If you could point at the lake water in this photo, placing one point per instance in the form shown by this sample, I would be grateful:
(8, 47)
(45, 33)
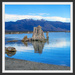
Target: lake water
(55, 51)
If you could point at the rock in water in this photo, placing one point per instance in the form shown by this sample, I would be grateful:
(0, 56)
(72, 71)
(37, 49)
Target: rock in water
(38, 33)
(25, 39)
(10, 49)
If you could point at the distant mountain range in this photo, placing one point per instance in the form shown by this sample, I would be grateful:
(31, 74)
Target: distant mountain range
(29, 24)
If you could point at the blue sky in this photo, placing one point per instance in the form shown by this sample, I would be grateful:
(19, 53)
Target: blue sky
(47, 12)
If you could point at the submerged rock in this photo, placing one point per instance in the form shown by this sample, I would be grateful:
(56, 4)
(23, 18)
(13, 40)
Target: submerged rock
(10, 49)
(13, 41)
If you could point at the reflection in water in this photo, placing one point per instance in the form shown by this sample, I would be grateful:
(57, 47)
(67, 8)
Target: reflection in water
(61, 43)
(56, 52)
(25, 43)
(10, 54)
(38, 46)
(47, 40)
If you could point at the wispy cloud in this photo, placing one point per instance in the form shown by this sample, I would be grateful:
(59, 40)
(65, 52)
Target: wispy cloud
(12, 17)
(43, 14)
(39, 14)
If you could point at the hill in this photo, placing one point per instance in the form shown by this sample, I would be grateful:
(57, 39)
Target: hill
(28, 24)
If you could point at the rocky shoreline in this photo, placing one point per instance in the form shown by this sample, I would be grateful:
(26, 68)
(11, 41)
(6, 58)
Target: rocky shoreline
(17, 64)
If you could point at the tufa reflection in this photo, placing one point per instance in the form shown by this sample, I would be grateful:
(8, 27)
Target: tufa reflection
(38, 46)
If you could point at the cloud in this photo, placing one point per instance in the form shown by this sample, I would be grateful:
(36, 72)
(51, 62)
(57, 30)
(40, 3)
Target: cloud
(39, 14)
(12, 17)
(43, 14)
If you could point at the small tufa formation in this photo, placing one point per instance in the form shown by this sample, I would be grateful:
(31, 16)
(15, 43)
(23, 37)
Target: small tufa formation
(25, 39)
(10, 49)
(47, 36)
(38, 33)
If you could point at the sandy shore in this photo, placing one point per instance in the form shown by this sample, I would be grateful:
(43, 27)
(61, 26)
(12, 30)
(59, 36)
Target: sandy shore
(16, 64)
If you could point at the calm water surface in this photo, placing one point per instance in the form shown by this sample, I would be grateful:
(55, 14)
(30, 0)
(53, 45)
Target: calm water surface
(55, 51)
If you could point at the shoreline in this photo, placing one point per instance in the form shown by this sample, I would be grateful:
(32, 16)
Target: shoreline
(17, 64)
(21, 32)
